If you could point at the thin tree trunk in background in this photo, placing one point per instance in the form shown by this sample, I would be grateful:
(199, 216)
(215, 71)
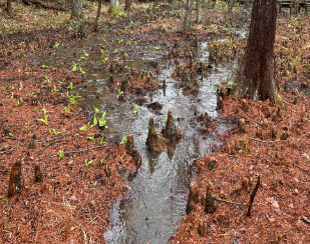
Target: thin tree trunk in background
(98, 16)
(114, 7)
(8, 6)
(230, 5)
(255, 76)
(214, 2)
(127, 5)
(188, 15)
(77, 9)
(198, 11)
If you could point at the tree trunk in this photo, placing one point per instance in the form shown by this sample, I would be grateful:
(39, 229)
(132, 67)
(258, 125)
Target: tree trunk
(198, 11)
(97, 17)
(114, 7)
(77, 9)
(230, 5)
(127, 5)
(8, 6)
(255, 76)
(188, 15)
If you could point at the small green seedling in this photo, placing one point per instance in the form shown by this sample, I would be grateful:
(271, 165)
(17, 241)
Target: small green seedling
(81, 70)
(21, 99)
(17, 102)
(136, 109)
(101, 163)
(10, 133)
(44, 120)
(95, 121)
(85, 53)
(158, 47)
(57, 133)
(91, 137)
(20, 86)
(44, 111)
(68, 109)
(102, 122)
(71, 86)
(6, 87)
(12, 95)
(124, 141)
(128, 43)
(101, 141)
(49, 81)
(96, 110)
(55, 89)
(85, 127)
(26, 128)
(166, 119)
(61, 154)
(87, 163)
(61, 82)
(74, 68)
(56, 45)
(115, 51)
(105, 60)
(120, 92)
(82, 58)
(120, 41)
(44, 66)
(72, 100)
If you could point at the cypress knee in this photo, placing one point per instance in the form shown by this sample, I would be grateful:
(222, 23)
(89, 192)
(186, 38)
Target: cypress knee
(15, 181)
(193, 197)
(171, 131)
(38, 174)
(210, 204)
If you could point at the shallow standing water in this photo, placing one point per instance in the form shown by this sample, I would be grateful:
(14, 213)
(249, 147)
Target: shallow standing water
(157, 198)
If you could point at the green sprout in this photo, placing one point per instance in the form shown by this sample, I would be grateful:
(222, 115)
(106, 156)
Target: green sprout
(44, 120)
(85, 127)
(125, 54)
(55, 89)
(115, 51)
(120, 41)
(85, 53)
(56, 45)
(136, 43)
(82, 58)
(21, 99)
(49, 81)
(95, 121)
(105, 60)
(20, 86)
(44, 66)
(101, 141)
(10, 133)
(26, 128)
(91, 137)
(117, 59)
(68, 109)
(136, 109)
(56, 133)
(61, 82)
(166, 119)
(17, 102)
(158, 47)
(72, 100)
(12, 95)
(124, 141)
(61, 154)
(44, 111)
(71, 86)
(96, 110)
(81, 70)
(102, 121)
(87, 163)
(6, 87)
(128, 43)
(101, 163)
(74, 68)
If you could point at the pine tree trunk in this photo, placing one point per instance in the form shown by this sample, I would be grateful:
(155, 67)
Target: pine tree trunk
(8, 6)
(127, 5)
(188, 15)
(198, 11)
(98, 16)
(114, 7)
(77, 9)
(255, 76)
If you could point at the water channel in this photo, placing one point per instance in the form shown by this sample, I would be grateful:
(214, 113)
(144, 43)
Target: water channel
(157, 198)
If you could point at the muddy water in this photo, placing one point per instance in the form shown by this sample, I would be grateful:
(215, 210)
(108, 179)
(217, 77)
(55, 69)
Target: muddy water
(157, 198)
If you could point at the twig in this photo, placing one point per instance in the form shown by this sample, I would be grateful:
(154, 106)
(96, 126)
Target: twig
(267, 217)
(252, 196)
(306, 220)
(268, 141)
(85, 236)
(87, 149)
(233, 241)
(220, 200)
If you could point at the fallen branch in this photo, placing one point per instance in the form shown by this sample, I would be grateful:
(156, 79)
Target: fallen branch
(44, 5)
(306, 220)
(267, 217)
(267, 141)
(87, 149)
(220, 200)
(253, 196)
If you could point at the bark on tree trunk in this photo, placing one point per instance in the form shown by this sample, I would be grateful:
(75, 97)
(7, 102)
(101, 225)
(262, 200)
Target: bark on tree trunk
(114, 7)
(198, 11)
(77, 9)
(127, 5)
(8, 6)
(188, 15)
(97, 17)
(255, 76)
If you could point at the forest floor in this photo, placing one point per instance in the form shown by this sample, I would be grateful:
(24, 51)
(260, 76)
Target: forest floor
(83, 177)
